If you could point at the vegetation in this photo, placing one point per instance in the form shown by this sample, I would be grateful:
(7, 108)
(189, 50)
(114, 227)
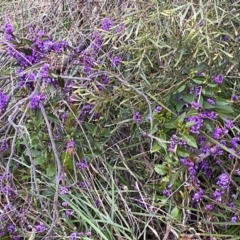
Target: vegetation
(119, 120)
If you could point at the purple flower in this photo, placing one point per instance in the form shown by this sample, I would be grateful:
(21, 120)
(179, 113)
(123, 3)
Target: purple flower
(107, 24)
(208, 114)
(229, 124)
(3, 145)
(198, 123)
(73, 236)
(225, 37)
(64, 204)
(158, 109)
(82, 164)
(217, 195)
(195, 105)
(219, 132)
(223, 181)
(199, 74)
(173, 141)
(116, 61)
(198, 90)
(64, 190)
(198, 195)
(166, 192)
(70, 144)
(36, 100)
(11, 229)
(44, 70)
(3, 100)
(69, 213)
(8, 31)
(209, 207)
(234, 219)
(88, 234)
(137, 117)
(40, 227)
(234, 97)
(200, 23)
(210, 101)
(219, 79)
(84, 185)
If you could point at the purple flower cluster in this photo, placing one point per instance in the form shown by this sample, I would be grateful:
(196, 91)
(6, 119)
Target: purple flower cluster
(82, 164)
(158, 109)
(137, 117)
(107, 24)
(75, 235)
(195, 105)
(8, 211)
(3, 100)
(8, 31)
(36, 100)
(3, 145)
(219, 79)
(40, 227)
(223, 181)
(70, 144)
(198, 195)
(36, 50)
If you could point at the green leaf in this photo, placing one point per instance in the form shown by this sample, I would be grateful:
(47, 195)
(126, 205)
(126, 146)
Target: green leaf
(212, 85)
(169, 125)
(35, 153)
(52, 118)
(156, 147)
(51, 169)
(67, 160)
(39, 160)
(188, 98)
(189, 124)
(225, 109)
(180, 119)
(190, 140)
(61, 82)
(198, 80)
(175, 213)
(209, 124)
(207, 105)
(179, 106)
(183, 152)
(53, 75)
(161, 169)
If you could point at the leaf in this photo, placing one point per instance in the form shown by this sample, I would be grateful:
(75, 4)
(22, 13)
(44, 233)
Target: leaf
(207, 105)
(209, 124)
(179, 106)
(183, 152)
(169, 125)
(175, 213)
(39, 160)
(155, 148)
(225, 109)
(190, 140)
(180, 119)
(198, 80)
(51, 169)
(52, 118)
(188, 98)
(189, 124)
(161, 169)
(35, 153)
(61, 82)
(67, 159)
